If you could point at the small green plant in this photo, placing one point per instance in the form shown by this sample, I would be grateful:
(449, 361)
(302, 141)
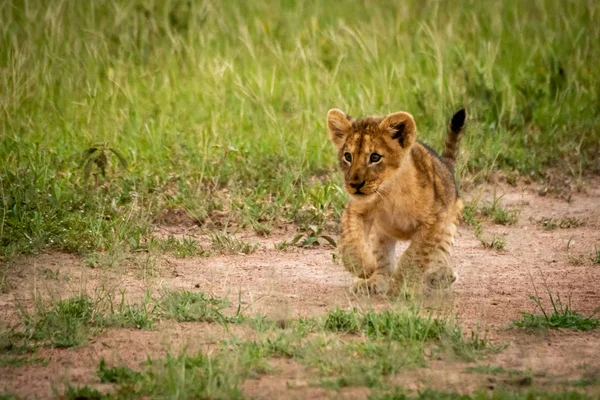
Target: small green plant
(84, 392)
(122, 374)
(497, 213)
(310, 236)
(492, 242)
(50, 274)
(180, 248)
(182, 305)
(140, 316)
(549, 224)
(595, 258)
(98, 156)
(561, 317)
(225, 243)
(471, 348)
(471, 214)
(340, 320)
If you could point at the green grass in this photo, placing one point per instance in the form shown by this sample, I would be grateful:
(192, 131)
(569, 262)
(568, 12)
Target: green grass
(65, 323)
(560, 317)
(590, 377)
(70, 322)
(389, 324)
(380, 345)
(8, 396)
(113, 112)
(8, 360)
(116, 374)
(409, 326)
(184, 376)
(430, 394)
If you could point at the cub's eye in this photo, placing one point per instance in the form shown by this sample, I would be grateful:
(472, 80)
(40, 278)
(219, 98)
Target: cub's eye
(374, 158)
(348, 157)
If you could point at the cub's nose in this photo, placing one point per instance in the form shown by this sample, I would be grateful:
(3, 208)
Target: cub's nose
(357, 186)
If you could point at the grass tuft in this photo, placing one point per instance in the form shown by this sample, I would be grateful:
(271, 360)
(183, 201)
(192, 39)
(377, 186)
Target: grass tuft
(65, 324)
(225, 243)
(121, 375)
(183, 376)
(180, 248)
(497, 214)
(595, 258)
(84, 392)
(561, 317)
(549, 224)
(407, 326)
(181, 305)
(12, 361)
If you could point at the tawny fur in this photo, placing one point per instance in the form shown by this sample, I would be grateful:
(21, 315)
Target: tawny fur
(399, 190)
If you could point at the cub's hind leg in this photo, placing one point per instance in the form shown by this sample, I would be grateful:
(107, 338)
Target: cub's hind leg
(383, 251)
(425, 253)
(440, 274)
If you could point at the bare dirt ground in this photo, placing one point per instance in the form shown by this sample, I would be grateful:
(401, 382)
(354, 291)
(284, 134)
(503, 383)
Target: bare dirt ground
(493, 288)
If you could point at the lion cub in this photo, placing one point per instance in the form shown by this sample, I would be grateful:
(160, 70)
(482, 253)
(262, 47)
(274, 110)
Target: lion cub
(399, 189)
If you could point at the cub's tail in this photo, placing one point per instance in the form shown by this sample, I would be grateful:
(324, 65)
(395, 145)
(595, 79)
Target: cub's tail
(455, 127)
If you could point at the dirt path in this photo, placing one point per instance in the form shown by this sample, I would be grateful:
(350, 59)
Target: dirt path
(493, 288)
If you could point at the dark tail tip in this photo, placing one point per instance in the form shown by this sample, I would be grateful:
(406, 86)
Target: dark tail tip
(458, 120)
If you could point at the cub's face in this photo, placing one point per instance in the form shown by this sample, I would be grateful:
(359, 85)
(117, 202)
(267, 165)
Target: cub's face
(370, 149)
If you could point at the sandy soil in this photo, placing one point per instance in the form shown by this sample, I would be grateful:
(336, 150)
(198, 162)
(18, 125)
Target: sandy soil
(493, 287)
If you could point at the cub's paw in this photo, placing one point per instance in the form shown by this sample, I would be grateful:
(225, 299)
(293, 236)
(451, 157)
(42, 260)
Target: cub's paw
(376, 284)
(441, 278)
(401, 290)
(360, 270)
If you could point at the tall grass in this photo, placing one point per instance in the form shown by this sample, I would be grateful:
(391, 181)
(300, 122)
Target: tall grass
(204, 96)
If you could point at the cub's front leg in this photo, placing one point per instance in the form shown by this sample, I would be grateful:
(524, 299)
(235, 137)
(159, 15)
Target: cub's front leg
(383, 251)
(354, 250)
(373, 268)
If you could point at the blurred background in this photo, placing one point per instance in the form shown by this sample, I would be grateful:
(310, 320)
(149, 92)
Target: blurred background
(113, 112)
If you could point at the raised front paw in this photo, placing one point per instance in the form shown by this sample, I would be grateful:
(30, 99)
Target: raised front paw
(376, 284)
(441, 278)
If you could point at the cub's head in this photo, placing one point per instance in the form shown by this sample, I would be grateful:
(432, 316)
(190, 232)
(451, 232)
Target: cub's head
(370, 149)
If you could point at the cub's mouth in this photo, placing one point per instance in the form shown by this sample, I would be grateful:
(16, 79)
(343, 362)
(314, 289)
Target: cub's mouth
(360, 192)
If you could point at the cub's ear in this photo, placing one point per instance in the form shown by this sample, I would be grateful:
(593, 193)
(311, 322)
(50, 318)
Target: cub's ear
(401, 127)
(338, 124)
